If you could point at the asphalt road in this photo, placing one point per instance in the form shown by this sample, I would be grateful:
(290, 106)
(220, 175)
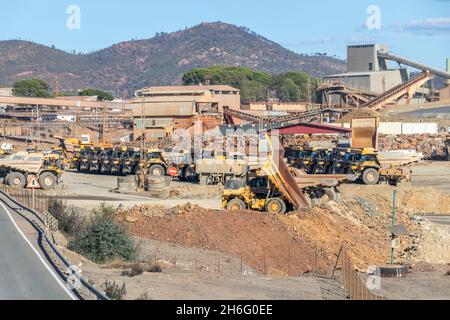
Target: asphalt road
(443, 220)
(23, 276)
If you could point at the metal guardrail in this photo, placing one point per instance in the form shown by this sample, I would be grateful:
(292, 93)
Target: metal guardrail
(91, 289)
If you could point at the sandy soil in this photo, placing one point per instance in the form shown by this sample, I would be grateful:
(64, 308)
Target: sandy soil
(88, 191)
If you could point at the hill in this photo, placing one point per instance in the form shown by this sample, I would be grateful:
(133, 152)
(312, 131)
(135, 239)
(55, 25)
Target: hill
(160, 60)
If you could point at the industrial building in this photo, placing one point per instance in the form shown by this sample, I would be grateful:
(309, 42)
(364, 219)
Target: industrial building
(165, 109)
(367, 72)
(368, 75)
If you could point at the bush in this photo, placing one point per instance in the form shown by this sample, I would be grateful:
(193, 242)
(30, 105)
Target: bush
(71, 220)
(144, 296)
(156, 268)
(106, 211)
(114, 292)
(104, 240)
(136, 270)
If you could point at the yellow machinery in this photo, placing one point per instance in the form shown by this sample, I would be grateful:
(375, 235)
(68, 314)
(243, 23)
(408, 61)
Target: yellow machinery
(277, 188)
(16, 169)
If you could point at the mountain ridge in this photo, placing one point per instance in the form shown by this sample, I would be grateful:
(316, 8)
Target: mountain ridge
(161, 60)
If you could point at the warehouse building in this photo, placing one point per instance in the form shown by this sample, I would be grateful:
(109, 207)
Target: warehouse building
(162, 110)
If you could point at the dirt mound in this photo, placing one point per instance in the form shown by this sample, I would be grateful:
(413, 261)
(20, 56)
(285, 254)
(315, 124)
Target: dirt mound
(251, 235)
(307, 240)
(414, 200)
(275, 244)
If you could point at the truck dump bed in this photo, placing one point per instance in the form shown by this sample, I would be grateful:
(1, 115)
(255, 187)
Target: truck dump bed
(230, 167)
(278, 173)
(24, 162)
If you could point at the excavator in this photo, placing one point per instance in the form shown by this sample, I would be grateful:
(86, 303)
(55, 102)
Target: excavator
(277, 188)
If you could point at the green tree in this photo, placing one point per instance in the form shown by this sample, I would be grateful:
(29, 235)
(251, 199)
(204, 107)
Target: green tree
(35, 88)
(253, 84)
(101, 94)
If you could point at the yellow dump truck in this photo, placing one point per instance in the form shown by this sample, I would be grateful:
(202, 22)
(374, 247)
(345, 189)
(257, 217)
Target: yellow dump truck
(277, 188)
(16, 169)
(219, 170)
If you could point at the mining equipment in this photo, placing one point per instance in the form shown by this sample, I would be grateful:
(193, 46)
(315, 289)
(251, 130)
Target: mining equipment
(447, 148)
(16, 169)
(277, 188)
(361, 163)
(118, 161)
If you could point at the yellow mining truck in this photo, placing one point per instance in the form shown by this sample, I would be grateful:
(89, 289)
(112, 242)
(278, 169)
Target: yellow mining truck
(218, 170)
(16, 169)
(276, 188)
(447, 148)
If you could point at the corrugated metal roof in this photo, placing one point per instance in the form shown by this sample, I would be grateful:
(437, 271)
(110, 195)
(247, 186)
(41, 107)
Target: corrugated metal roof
(188, 88)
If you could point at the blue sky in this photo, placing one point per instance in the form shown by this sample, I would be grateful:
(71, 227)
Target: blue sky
(418, 29)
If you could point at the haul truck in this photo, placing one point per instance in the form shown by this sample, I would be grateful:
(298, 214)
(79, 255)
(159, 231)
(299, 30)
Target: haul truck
(16, 169)
(276, 188)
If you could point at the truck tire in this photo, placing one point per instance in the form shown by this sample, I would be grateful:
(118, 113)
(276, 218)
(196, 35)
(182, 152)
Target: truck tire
(330, 194)
(16, 180)
(276, 205)
(156, 170)
(47, 180)
(371, 176)
(236, 204)
(203, 180)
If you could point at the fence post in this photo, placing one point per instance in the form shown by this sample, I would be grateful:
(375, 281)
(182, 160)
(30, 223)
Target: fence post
(265, 266)
(242, 267)
(289, 261)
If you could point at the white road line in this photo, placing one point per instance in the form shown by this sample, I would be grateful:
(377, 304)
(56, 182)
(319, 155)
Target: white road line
(49, 269)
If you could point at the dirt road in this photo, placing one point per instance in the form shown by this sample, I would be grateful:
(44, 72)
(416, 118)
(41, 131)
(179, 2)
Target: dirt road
(432, 174)
(88, 190)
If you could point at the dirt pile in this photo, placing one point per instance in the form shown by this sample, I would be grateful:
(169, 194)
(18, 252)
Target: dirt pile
(306, 240)
(262, 240)
(303, 241)
(412, 200)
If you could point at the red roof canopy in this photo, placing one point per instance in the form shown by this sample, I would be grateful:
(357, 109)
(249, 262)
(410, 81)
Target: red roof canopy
(310, 128)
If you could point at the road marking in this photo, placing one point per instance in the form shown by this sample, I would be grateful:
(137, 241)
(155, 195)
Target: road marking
(69, 293)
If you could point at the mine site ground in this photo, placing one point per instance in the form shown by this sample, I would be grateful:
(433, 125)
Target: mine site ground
(252, 255)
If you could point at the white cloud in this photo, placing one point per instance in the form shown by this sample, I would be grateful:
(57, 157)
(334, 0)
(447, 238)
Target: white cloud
(430, 26)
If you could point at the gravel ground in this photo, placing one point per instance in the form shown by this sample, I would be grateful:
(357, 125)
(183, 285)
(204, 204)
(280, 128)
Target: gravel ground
(87, 190)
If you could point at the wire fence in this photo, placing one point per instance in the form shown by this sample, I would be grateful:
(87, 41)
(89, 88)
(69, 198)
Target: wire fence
(288, 260)
(40, 202)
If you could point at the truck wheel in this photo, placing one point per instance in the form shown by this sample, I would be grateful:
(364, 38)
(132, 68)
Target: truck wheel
(276, 205)
(16, 180)
(203, 180)
(371, 176)
(156, 170)
(47, 180)
(330, 195)
(236, 204)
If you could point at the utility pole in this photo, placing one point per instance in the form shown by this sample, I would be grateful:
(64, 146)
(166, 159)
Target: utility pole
(142, 126)
(143, 162)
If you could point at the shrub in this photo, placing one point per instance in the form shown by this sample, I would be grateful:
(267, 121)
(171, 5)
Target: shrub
(104, 211)
(104, 240)
(114, 291)
(155, 268)
(144, 296)
(71, 220)
(136, 270)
